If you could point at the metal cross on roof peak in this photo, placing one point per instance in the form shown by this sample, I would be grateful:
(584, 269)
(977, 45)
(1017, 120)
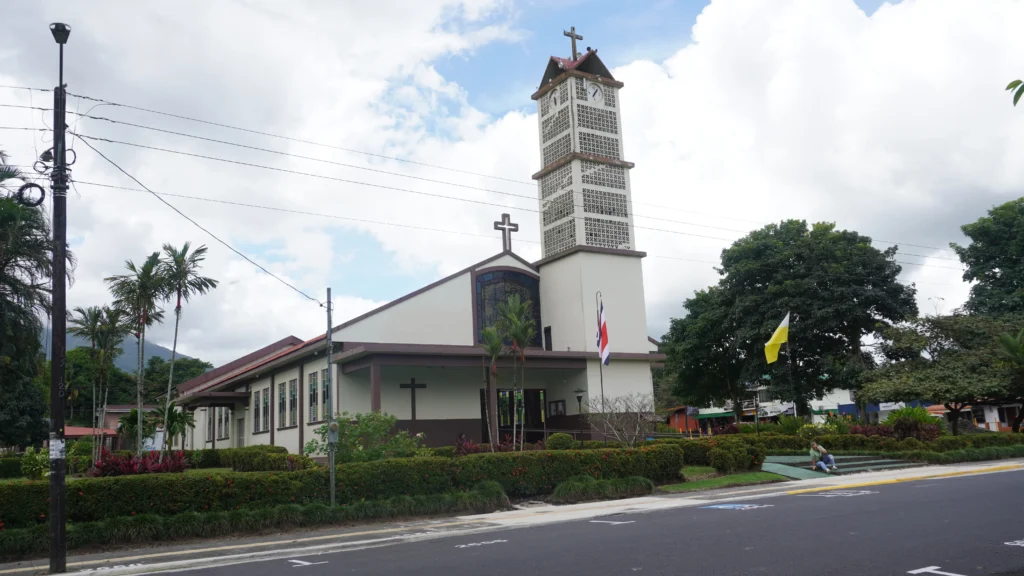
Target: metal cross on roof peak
(574, 37)
(507, 227)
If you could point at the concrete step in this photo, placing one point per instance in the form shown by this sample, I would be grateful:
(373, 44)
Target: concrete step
(872, 468)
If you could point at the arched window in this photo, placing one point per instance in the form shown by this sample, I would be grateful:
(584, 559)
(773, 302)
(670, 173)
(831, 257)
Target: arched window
(494, 287)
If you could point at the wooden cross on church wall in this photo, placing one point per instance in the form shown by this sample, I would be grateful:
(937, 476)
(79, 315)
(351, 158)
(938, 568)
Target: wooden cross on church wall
(412, 386)
(507, 227)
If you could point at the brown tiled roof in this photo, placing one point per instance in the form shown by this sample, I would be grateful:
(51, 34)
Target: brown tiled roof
(236, 364)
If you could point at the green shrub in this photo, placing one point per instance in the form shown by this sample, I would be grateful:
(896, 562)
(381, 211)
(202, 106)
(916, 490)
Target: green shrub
(950, 443)
(790, 425)
(18, 543)
(890, 445)
(270, 462)
(583, 487)
(601, 444)
(10, 467)
(911, 444)
(987, 439)
(539, 472)
(35, 464)
(443, 451)
(365, 438)
(206, 458)
(560, 441)
(384, 479)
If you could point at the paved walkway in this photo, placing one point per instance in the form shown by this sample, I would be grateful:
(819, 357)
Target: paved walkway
(798, 467)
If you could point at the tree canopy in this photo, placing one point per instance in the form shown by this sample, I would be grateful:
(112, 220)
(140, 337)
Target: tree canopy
(838, 289)
(995, 260)
(158, 371)
(951, 360)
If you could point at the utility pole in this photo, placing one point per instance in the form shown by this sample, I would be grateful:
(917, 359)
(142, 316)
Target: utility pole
(59, 180)
(332, 424)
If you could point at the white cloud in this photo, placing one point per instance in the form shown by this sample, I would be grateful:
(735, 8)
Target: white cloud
(895, 125)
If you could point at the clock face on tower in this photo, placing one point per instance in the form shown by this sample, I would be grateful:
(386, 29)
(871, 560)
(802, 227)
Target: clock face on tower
(553, 99)
(594, 91)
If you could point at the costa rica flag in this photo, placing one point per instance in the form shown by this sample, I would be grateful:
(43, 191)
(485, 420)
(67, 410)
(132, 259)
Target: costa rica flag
(602, 335)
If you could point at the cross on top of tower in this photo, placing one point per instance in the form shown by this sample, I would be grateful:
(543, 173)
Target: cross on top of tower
(574, 37)
(507, 227)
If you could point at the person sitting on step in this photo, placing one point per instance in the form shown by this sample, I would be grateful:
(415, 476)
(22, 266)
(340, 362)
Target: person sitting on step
(820, 458)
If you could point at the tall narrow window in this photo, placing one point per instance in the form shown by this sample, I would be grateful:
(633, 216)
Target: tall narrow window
(293, 402)
(209, 424)
(547, 338)
(281, 406)
(256, 412)
(312, 397)
(266, 409)
(326, 401)
(227, 423)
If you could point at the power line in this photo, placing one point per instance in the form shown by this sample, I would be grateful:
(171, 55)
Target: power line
(528, 197)
(197, 225)
(300, 140)
(443, 231)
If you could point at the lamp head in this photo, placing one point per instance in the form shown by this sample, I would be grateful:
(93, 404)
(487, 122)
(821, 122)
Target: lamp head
(60, 32)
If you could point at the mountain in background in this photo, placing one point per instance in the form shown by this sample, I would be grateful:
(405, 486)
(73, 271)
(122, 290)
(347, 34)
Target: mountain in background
(126, 361)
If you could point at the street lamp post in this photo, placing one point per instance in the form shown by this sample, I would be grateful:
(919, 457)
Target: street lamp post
(59, 180)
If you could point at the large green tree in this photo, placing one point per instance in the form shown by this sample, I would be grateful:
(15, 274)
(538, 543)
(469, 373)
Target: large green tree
(180, 268)
(158, 371)
(839, 290)
(26, 266)
(951, 360)
(1012, 352)
(139, 293)
(704, 353)
(995, 260)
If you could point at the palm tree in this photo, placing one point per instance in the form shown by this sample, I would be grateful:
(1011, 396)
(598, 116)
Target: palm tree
(494, 346)
(113, 330)
(138, 293)
(181, 270)
(137, 424)
(175, 422)
(517, 326)
(1012, 350)
(86, 323)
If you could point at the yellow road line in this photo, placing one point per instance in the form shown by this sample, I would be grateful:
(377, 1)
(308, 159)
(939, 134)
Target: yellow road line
(129, 559)
(900, 480)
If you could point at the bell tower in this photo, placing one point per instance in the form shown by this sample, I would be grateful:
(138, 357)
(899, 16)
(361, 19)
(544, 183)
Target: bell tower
(583, 184)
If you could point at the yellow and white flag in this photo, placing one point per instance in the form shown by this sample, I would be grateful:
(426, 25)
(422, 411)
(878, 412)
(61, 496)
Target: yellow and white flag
(781, 335)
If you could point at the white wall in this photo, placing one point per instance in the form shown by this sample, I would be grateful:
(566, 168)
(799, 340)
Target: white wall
(561, 305)
(568, 304)
(441, 315)
(621, 378)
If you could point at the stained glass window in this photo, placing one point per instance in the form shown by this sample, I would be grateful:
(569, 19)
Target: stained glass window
(493, 288)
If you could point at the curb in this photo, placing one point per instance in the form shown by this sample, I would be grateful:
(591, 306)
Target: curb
(971, 472)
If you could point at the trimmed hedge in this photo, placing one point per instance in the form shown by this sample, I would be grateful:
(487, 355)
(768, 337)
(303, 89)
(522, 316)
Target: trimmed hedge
(10, 467)
(560, 441)
(581, 488)
(539, 472)
(270, 462)
(23, 504)
(443, 451)
(17, 543)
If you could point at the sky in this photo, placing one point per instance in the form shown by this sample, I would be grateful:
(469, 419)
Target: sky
(415, 128)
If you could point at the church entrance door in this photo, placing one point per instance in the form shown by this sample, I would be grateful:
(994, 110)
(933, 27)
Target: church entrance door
(532, 414)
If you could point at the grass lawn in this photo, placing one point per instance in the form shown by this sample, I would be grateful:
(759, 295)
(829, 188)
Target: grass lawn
(744, 479)
(689, 472)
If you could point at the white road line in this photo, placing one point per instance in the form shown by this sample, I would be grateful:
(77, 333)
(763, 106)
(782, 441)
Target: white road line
(610, 522)
(933, 570)
(301, 563)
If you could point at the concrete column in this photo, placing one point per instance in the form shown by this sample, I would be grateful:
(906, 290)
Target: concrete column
(375, 387)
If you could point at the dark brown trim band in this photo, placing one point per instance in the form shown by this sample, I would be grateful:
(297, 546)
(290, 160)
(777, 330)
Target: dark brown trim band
(580, 156)
(564, 75)
(302, 423)
(592, 250)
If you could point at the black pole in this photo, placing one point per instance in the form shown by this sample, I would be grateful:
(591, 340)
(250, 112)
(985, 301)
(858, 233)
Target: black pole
(59, 179)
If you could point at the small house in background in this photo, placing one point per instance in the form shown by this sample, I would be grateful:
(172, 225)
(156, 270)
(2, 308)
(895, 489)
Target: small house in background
(684, 419)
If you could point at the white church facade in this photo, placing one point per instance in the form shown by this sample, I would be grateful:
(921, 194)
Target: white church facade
(419, 357)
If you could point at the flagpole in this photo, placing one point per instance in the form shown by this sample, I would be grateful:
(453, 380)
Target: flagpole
(792, 385)
(600, 361)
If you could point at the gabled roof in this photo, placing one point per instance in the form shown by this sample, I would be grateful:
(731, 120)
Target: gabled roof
(269, 354)
(587, 66)
(430, 286)
(589, 63)
(216, 373)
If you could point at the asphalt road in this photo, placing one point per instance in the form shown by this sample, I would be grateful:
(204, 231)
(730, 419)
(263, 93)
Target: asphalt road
(956, 526)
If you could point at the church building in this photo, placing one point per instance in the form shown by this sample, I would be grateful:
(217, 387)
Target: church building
(420, 358)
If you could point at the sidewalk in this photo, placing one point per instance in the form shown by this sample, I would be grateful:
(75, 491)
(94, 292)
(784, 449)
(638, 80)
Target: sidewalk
(202, 553)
